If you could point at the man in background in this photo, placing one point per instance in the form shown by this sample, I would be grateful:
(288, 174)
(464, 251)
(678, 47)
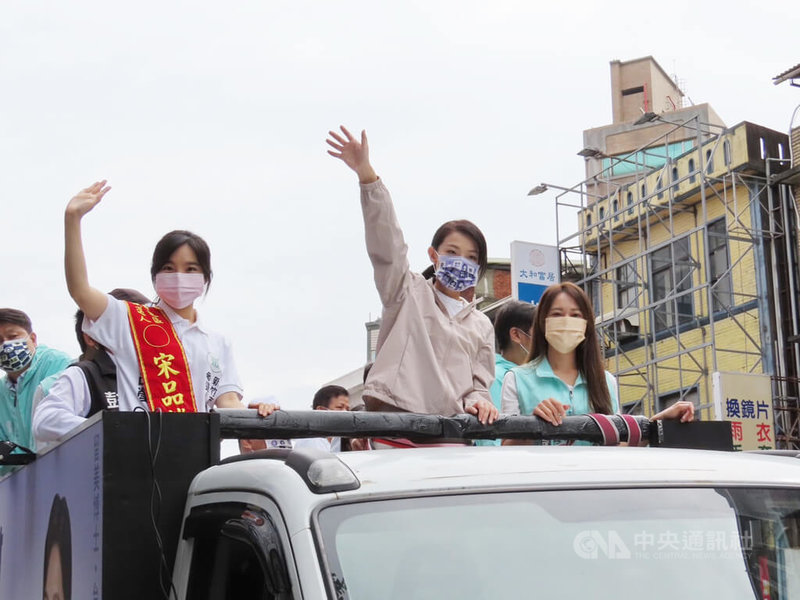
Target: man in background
(512, 335)
(65, 401)
(25, 364)
(330, 397)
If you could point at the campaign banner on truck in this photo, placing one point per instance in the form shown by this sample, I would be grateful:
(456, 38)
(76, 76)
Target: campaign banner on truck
(534, 267)
(51, 523)
(745, 399)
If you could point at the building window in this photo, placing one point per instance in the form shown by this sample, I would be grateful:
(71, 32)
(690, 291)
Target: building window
(630, 163)
(709, 161)
(615, 209)
(633, 90)
(602, 212)
(671, 269)
(674, 174)
(659, 187)
(644, 191)
(726, 152)
(588, 219)
(630, 202)
(664, 401)
(719, 263)
(592, 289)
(627, 284)
(692, 175)
(632, 408)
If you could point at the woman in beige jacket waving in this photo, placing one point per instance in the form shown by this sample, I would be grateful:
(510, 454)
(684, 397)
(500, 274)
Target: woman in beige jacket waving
(435, 348)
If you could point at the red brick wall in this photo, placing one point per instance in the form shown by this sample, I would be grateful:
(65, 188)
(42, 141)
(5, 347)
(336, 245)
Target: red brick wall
(502, 284)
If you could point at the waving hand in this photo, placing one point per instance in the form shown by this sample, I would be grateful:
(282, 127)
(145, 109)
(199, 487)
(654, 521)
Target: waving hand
(90, 300)
(353, 153)
(87, 199)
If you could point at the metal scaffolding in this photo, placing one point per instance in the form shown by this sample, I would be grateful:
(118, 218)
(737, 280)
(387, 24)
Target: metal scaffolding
(692, 266)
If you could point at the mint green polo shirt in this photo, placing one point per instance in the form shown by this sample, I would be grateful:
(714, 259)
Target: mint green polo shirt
(501, 367)
(537, 382)
(16, 400)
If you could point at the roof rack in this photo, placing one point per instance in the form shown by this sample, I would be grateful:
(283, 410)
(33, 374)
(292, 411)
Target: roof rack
(599, 429)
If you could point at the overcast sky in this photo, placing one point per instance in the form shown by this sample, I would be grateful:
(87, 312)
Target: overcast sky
(212, 117)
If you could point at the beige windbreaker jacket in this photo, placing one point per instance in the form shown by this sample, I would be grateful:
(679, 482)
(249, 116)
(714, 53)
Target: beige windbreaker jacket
(427, 362)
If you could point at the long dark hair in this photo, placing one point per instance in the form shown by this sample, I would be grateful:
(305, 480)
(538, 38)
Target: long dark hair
(587, 354)
(173, 240)
(467, 228)
(59, 534)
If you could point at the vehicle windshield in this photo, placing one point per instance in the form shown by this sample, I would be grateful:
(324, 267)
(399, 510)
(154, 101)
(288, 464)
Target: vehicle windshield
(617, 543)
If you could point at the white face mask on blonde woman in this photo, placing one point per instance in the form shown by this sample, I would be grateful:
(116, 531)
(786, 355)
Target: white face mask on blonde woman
(564, 333)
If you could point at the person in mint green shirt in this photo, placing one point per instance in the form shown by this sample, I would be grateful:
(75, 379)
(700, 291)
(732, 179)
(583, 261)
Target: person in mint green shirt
(512, 335)
(25, 364)
(566, 374)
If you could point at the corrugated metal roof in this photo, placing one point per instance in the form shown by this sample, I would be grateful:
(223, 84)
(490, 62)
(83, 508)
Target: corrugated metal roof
(788, 74)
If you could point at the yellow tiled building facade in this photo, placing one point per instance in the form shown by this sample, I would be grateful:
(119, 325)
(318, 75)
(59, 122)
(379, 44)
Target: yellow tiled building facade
(681, 267)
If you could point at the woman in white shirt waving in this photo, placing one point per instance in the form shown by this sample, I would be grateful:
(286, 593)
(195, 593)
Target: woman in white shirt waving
(181, 272)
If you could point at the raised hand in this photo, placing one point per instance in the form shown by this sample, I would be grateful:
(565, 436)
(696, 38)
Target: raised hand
(353, 153)
(87, 199)
(90, 300)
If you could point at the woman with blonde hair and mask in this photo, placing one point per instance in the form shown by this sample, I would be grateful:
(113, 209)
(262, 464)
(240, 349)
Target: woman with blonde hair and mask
(565, 374)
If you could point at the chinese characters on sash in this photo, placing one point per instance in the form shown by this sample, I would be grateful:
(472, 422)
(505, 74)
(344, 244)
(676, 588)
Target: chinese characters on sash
(162, 360)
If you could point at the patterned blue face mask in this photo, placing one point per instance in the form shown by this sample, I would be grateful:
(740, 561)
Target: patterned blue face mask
(456, 272)
(15, 355)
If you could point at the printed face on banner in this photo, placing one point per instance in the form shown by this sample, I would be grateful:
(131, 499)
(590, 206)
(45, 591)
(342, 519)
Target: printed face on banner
(54, 512)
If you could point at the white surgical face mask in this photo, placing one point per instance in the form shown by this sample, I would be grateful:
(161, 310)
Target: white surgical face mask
(179, 290)
(527, 335)
(564, 334)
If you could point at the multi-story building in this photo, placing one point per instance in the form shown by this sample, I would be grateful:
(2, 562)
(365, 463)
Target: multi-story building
(646, 105)
(792, 175)
(686, 238)
(688, 246)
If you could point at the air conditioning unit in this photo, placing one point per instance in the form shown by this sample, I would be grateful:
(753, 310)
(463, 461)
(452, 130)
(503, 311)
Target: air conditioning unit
(621, 325)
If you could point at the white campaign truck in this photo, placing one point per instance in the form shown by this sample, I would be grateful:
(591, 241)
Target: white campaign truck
(467, 522)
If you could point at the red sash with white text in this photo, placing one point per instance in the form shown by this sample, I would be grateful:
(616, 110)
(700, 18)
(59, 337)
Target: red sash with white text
(162, 361)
